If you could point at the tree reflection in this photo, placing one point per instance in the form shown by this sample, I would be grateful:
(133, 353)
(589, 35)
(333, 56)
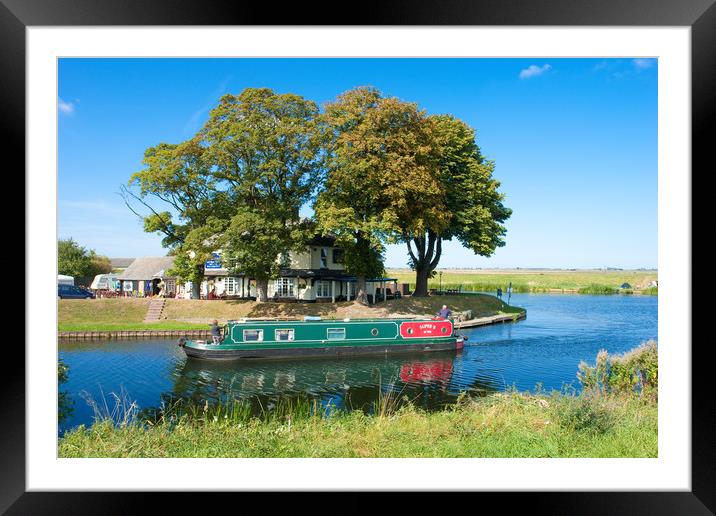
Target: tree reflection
(64, 401)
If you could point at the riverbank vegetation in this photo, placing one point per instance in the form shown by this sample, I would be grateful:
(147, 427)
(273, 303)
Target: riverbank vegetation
(598, 422)
(184, 314)
(529, 280)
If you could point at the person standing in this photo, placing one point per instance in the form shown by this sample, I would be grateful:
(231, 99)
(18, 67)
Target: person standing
(499, 292)
(216, 332)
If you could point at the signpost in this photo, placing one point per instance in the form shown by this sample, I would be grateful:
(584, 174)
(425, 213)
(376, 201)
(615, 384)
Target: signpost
(215, 263)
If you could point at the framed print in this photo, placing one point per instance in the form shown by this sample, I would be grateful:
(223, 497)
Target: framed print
(139, 62)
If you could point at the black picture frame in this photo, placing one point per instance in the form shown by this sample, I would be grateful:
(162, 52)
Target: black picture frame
(699, 15)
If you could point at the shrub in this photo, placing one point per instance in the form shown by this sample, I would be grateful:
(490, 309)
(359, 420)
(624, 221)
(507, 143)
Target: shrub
(636, 371)
(584, 414)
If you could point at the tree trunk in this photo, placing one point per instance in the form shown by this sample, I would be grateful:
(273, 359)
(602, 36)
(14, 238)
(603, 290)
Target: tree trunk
(421, 281)
(424, 260)
(196, 282)
(361, 295)
(261, 290)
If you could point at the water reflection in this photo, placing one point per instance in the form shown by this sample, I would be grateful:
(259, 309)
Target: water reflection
(351, 383)
(546, 349)
(64, 399)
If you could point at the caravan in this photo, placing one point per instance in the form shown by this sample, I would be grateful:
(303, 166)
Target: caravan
(104, 284)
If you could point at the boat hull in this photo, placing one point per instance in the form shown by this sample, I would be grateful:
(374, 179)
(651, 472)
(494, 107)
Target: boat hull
(210, 352)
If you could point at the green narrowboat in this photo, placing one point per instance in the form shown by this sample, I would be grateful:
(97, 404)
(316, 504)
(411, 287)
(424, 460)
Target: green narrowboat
(316, 337)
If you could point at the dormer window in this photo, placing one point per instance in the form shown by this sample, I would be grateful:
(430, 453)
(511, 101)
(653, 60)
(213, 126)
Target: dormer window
(337, 255)
(324, 258)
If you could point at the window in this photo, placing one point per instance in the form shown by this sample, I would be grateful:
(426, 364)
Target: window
(128, 286)
(284, 334)
(284, 287)
(336, 333)
(324, 258)
(231, 285)
(337, 255)
(323, 288)
(253, 335)
(285, 260)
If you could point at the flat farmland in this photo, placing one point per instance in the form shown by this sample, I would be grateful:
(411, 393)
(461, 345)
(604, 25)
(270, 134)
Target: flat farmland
(532, 280)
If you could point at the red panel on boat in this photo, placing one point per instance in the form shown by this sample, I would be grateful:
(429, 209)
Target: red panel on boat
(422, 329)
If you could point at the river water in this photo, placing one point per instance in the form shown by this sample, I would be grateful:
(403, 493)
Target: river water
(543, 350)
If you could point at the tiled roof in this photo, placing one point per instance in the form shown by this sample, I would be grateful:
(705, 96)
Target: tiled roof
(147, 268)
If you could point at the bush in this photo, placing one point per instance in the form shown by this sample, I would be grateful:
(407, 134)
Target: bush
(584, 414)
(636, 371)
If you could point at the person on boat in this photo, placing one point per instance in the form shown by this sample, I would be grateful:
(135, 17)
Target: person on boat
(215, 332)
(445, 312)
(499, 293)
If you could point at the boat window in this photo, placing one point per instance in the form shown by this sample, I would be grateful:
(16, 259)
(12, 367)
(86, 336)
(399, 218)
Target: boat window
(284, 334)
(444, 329)
(374, 332)
(253, 335)
(336, 333)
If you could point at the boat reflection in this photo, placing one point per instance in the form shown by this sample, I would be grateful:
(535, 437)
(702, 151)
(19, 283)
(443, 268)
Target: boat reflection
(347, 384)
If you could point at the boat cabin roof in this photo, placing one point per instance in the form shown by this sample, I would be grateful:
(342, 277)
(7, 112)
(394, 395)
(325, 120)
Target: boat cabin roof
(311, 319)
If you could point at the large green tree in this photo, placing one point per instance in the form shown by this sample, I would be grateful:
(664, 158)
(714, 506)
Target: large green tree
(78, 262)
(236, 186)
(379, 182)
(266, 149)
(470, 198)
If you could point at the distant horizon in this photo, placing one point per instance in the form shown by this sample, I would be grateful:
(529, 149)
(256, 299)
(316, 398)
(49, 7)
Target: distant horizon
(574, 143)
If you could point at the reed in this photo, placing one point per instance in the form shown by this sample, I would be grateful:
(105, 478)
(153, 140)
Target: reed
(595, 288)
(121, 411)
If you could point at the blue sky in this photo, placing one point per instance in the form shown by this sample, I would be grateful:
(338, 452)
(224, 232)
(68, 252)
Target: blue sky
(574, 143)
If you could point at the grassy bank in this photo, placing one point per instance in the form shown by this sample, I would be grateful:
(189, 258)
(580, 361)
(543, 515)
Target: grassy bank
(616, 415)
(183, 314)
(499, 425)
(575, 281)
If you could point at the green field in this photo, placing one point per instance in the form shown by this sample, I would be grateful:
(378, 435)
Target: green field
(529, 280)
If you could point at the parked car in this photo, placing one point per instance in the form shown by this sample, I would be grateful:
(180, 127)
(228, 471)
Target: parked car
(72, 292)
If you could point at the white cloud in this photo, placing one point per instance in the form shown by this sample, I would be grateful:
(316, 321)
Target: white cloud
(641, 63)
(533, 71)
(65, 107)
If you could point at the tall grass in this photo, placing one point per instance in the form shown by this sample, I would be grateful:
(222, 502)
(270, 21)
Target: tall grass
(120, 411)
(595, 288)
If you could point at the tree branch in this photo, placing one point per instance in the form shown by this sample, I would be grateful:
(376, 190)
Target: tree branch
(438, 252)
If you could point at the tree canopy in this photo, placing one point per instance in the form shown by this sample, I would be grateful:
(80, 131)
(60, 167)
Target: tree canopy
(78, 262)
(237, 185)
(379, 170)
(469, 198)
(379, 183)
